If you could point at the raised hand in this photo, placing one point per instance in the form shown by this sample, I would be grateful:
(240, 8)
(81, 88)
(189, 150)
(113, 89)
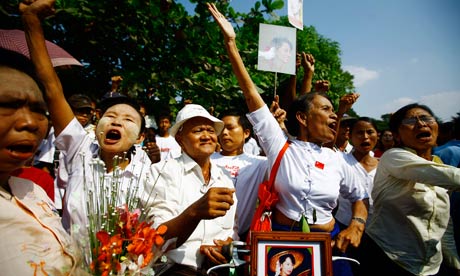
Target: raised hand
(277, 111)
(346, 102)
(322, 85)
(224, 24)
(308, 62)
(41, 8)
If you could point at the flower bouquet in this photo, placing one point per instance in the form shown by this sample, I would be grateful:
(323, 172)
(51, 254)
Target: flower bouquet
(119, 240)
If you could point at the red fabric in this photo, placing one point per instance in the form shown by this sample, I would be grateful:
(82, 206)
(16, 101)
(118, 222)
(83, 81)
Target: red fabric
(267, 201)
(39, 177)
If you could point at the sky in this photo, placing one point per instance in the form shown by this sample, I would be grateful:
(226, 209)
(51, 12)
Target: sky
(399, 51)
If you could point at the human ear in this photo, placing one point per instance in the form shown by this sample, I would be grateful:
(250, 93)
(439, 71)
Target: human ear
(246, 133)
(301, 118)
(140, 138)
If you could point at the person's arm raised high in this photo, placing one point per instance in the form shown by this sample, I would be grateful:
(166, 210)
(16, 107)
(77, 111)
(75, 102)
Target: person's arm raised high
(253, 100)
(32, 12)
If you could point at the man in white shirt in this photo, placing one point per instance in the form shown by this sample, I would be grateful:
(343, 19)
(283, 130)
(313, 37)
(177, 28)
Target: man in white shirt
(247, 170)
(169, 148)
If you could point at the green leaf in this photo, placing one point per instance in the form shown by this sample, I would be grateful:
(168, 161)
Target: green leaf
(277, 5)
(304, 225)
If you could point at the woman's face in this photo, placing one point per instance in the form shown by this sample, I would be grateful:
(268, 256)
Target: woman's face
(118, 129)
(287, 267)
(418, 130)
(198, 138)
(364, 137)
(23, 116)
(284, 52)
(387, 139)
(321, 121)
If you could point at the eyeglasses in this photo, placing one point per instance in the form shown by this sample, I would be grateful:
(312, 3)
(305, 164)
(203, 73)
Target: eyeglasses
(413, 120)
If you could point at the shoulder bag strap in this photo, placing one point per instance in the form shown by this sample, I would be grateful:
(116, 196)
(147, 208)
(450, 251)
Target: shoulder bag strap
(274, 170)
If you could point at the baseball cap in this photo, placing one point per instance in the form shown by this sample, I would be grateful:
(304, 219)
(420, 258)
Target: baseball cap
(190, 111)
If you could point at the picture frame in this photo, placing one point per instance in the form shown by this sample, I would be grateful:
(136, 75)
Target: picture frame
(309, 253)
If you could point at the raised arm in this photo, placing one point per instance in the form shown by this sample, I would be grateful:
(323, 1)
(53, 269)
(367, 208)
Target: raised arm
(253, 100)
(345, 103)
(32, 12)
(308, 64)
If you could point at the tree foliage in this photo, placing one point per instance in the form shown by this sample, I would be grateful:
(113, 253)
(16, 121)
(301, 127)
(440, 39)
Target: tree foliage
(166, 55)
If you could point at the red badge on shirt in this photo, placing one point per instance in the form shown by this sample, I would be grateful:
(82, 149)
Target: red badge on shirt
(319, 165)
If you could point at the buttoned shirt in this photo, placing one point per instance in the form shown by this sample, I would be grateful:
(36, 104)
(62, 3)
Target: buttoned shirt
(411, 209)
(178, 184)
(33, 240)
(310, 177)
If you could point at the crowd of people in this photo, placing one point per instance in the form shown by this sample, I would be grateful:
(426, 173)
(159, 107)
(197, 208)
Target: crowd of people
(383, 195)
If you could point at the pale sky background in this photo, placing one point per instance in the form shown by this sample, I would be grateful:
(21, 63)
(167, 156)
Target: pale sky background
(399, 51)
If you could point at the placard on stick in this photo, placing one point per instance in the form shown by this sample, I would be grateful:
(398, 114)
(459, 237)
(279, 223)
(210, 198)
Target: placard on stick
(277, 49)
(295, 13)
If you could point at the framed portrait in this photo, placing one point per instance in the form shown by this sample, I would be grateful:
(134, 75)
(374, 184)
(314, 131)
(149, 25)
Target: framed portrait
(291, 253)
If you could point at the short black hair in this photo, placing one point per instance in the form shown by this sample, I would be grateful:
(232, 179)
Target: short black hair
(21, 63)
(109, 102)
(302, 104)
(363, 119)
(242, 119)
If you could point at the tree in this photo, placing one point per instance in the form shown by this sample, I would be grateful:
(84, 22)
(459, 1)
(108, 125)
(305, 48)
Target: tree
(159, 48)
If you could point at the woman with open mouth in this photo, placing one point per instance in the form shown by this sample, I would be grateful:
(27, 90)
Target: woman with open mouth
(406, 233)
(33, 239)
(310, 176)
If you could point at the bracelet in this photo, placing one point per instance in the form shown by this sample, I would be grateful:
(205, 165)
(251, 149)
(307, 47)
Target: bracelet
(360, 220)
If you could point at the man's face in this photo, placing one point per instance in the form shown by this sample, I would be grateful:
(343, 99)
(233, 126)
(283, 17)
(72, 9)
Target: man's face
(163, 125)
(119, 128)
(84, 115)
(23, 119)
(198, 138)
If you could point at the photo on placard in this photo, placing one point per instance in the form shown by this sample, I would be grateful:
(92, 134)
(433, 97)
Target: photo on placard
(277, 49)
(295, 13)
(291, 253)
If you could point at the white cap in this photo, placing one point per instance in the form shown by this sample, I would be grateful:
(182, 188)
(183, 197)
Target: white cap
(190, 111)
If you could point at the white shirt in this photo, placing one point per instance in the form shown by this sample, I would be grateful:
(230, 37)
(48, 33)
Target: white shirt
(344, 213)
(251, 147)
(411, 209)
(81, 156)
(247, 172)
(310, 177)
(169, 148)
(179, 184)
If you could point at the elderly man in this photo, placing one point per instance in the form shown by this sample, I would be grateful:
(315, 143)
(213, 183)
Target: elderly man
(194, 198)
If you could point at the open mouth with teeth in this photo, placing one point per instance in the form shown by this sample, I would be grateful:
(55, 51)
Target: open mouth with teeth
(21, 151)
